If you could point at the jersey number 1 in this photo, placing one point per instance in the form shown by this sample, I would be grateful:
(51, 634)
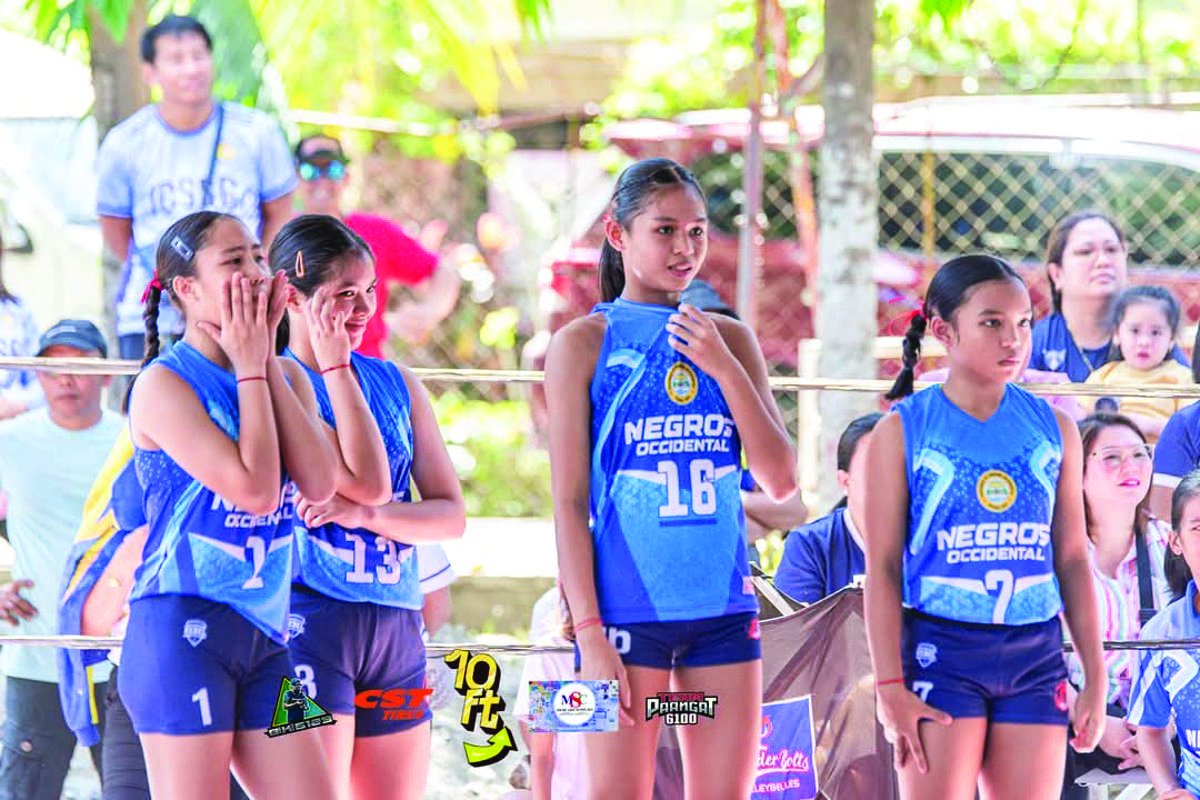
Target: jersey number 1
(704, 495)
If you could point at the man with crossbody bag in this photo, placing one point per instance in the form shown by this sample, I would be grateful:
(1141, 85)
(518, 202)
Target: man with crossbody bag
(186, 153)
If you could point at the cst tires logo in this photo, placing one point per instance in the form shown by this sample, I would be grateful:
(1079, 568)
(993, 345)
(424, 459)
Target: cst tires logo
(681, 384)
(996, 491)
(574, 704)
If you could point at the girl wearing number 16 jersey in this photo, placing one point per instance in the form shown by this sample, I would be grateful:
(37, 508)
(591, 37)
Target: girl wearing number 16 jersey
(975, 543)
(651, 404)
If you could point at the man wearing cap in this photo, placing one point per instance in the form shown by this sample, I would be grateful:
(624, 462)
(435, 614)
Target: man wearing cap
(48, 460)
(188, 152)
(398, 258)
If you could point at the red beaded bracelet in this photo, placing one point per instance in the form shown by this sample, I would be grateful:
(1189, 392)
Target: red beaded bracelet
(339, 366)
(252, 378)
(590, 622)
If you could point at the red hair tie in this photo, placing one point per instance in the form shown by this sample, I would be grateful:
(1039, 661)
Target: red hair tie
(906, 320)
(153, 284)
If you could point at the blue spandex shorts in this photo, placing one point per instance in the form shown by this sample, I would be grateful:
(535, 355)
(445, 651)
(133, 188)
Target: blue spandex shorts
(191, 666)
(707, 642)
(362, 659)
(1007, 673)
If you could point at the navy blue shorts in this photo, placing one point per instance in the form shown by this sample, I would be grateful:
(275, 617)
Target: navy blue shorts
(362, 659)
(190, 666)
(1007, 673)
(709, 642)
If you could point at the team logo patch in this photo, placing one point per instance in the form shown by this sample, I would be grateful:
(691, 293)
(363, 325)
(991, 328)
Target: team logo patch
(996, 491)
(754, 632)
(295, 625)
(926, 654)
(681, 383)
(195, 631)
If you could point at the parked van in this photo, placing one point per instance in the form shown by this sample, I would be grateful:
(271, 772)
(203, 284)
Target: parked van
(955, 175)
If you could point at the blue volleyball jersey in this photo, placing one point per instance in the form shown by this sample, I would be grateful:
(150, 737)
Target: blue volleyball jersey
(1167, 683)
(666, 509)
(199, 543)
(357, 565)
(982, 498)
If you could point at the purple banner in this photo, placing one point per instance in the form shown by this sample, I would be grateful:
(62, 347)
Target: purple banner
(786, 770)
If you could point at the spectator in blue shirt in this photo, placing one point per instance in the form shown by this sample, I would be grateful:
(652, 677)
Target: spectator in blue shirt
(1087, 264)
(1176, 454)
(827, 555)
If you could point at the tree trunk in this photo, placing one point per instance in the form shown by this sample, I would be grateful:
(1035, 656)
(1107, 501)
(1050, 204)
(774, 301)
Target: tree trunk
(120, 91)
(847, 295)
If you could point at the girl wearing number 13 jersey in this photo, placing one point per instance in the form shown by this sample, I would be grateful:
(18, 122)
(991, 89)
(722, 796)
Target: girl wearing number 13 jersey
(975, 543)
(651, 404)
(355, 622)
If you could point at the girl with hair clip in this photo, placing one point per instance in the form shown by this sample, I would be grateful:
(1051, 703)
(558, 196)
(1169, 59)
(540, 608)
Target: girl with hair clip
(975, 543)
(1166, 688)
(224, 434)
(651, 403)
(356, 599)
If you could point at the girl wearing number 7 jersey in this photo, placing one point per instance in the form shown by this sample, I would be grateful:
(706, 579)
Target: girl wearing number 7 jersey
(224, 434)
(356, 600)
(651, 404)
(976, 541)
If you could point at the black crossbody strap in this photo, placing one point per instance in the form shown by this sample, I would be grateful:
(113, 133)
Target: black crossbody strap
(206, 184)
(1143, 575)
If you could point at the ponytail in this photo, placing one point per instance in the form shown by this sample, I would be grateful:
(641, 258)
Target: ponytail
(903, 386)
(612, 273)
(635, 187)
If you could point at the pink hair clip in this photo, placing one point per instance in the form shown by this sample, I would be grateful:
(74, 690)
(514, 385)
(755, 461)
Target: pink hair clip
(299, 270)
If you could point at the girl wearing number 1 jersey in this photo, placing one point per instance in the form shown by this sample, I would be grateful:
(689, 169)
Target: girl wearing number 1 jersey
(355, 619)
(651, 406)
(975, 542)
(224, 435)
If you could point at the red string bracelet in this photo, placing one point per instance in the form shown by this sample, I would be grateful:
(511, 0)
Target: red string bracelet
(339, 366)
(590, 622)
(252, 378)
(888, 682)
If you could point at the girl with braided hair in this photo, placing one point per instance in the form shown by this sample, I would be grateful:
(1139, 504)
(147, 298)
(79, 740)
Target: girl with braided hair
(976, 542)
(225, 435)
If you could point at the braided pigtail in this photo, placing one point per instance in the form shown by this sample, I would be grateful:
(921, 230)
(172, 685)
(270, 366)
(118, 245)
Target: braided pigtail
(903, 386)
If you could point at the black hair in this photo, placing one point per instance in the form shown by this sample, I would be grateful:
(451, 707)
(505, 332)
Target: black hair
(1056, 245)
(319, 242)
(171, 25)
(949, 289)
(1143, 294)
(1178, 573)
(848, 442)
(176, 258)
(635, 188)
(5, 294)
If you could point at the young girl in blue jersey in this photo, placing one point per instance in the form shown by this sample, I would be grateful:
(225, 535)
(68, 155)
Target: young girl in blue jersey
(356, 600)
(224, 433)
(975, 542)
(650, 406)
(1165, 688)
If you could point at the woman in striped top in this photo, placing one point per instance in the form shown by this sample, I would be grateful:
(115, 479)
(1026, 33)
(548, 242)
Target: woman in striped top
(1116, 482)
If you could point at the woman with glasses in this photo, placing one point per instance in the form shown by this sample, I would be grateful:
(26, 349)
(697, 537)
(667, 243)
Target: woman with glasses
(1127, 547)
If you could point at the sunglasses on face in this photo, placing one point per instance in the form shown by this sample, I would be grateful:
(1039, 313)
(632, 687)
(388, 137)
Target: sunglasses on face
(334, 170)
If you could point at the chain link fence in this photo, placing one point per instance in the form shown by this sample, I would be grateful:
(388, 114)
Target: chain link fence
(998, 197)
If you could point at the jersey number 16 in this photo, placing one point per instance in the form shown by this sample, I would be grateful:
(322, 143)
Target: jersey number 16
(704, 495)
